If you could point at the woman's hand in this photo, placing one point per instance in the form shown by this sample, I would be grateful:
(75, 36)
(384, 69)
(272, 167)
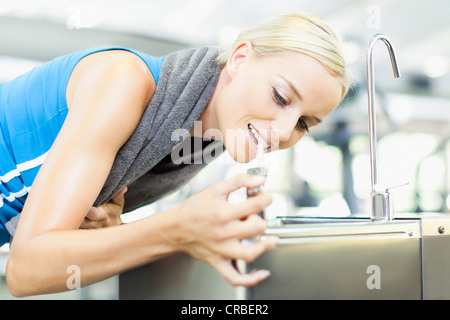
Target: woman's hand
(107, 214)
(211, 229)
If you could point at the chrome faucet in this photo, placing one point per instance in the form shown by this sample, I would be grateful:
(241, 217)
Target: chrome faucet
(382, 205)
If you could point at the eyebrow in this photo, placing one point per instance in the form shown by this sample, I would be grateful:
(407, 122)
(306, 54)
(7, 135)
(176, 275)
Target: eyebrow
(297, 93)
(293, 88)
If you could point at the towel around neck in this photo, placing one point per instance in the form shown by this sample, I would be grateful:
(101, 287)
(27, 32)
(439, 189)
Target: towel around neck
(186, 83)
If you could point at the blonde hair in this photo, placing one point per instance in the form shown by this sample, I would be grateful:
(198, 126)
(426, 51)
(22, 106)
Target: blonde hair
(295, 32)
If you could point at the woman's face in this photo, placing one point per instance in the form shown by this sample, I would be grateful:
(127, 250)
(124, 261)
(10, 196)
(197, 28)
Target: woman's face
(277, 97)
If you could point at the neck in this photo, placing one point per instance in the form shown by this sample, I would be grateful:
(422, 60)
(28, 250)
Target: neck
(207, 124)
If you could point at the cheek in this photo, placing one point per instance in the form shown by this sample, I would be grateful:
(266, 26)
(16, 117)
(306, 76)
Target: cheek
(229, 102)
(244, 97)
(295, 137)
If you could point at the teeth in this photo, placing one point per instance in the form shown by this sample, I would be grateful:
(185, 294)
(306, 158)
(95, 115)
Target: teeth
(260, 140)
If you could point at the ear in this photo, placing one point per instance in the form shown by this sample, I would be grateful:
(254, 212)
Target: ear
(238, 57)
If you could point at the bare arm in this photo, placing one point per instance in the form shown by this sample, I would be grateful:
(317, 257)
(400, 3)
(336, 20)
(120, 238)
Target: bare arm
(105, 107)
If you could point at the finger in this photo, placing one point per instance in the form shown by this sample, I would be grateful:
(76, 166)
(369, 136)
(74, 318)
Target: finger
(96, 214)
(253, 226)
(225, 187)
(121, 192)
(88, 224)
(251, 249)
(252, 205)
(235, 278)
(119, 196)
(248, 249)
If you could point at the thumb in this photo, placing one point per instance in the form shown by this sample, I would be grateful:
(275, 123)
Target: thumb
(121, 192)
(96, 214)
(118, 197)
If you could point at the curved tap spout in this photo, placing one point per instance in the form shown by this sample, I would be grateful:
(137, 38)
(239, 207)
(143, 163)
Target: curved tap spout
(371, 97)
(372, 123)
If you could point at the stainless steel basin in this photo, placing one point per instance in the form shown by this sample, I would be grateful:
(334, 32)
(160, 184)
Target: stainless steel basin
(336, 260)
(318, 258)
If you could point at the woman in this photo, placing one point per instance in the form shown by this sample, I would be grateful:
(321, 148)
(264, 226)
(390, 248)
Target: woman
(110, 118)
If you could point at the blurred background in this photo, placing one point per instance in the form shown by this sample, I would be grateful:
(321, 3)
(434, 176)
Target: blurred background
(328, 172)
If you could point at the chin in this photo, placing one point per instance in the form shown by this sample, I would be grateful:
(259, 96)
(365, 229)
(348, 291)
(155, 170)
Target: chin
(239, 155)
(240, 158)
(238, 148)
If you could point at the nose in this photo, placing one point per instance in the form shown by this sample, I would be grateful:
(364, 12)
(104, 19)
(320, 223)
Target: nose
(284, 126)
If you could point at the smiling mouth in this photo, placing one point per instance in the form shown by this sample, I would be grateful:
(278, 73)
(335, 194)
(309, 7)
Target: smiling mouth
(256, 138)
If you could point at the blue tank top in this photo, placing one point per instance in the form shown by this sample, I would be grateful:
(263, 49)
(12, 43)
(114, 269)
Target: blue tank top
(33, 108)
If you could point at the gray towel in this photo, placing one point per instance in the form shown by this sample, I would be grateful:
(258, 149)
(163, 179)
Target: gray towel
(186, 83)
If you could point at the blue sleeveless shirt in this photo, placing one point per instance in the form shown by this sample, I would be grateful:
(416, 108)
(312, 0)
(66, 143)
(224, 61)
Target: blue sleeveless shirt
(33, 108)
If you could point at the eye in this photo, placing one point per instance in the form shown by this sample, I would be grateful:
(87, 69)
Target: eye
(278, 98)
(301, 125)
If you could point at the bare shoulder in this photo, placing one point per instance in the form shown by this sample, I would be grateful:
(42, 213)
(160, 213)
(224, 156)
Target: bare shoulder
(110, 89)
(112, 67)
